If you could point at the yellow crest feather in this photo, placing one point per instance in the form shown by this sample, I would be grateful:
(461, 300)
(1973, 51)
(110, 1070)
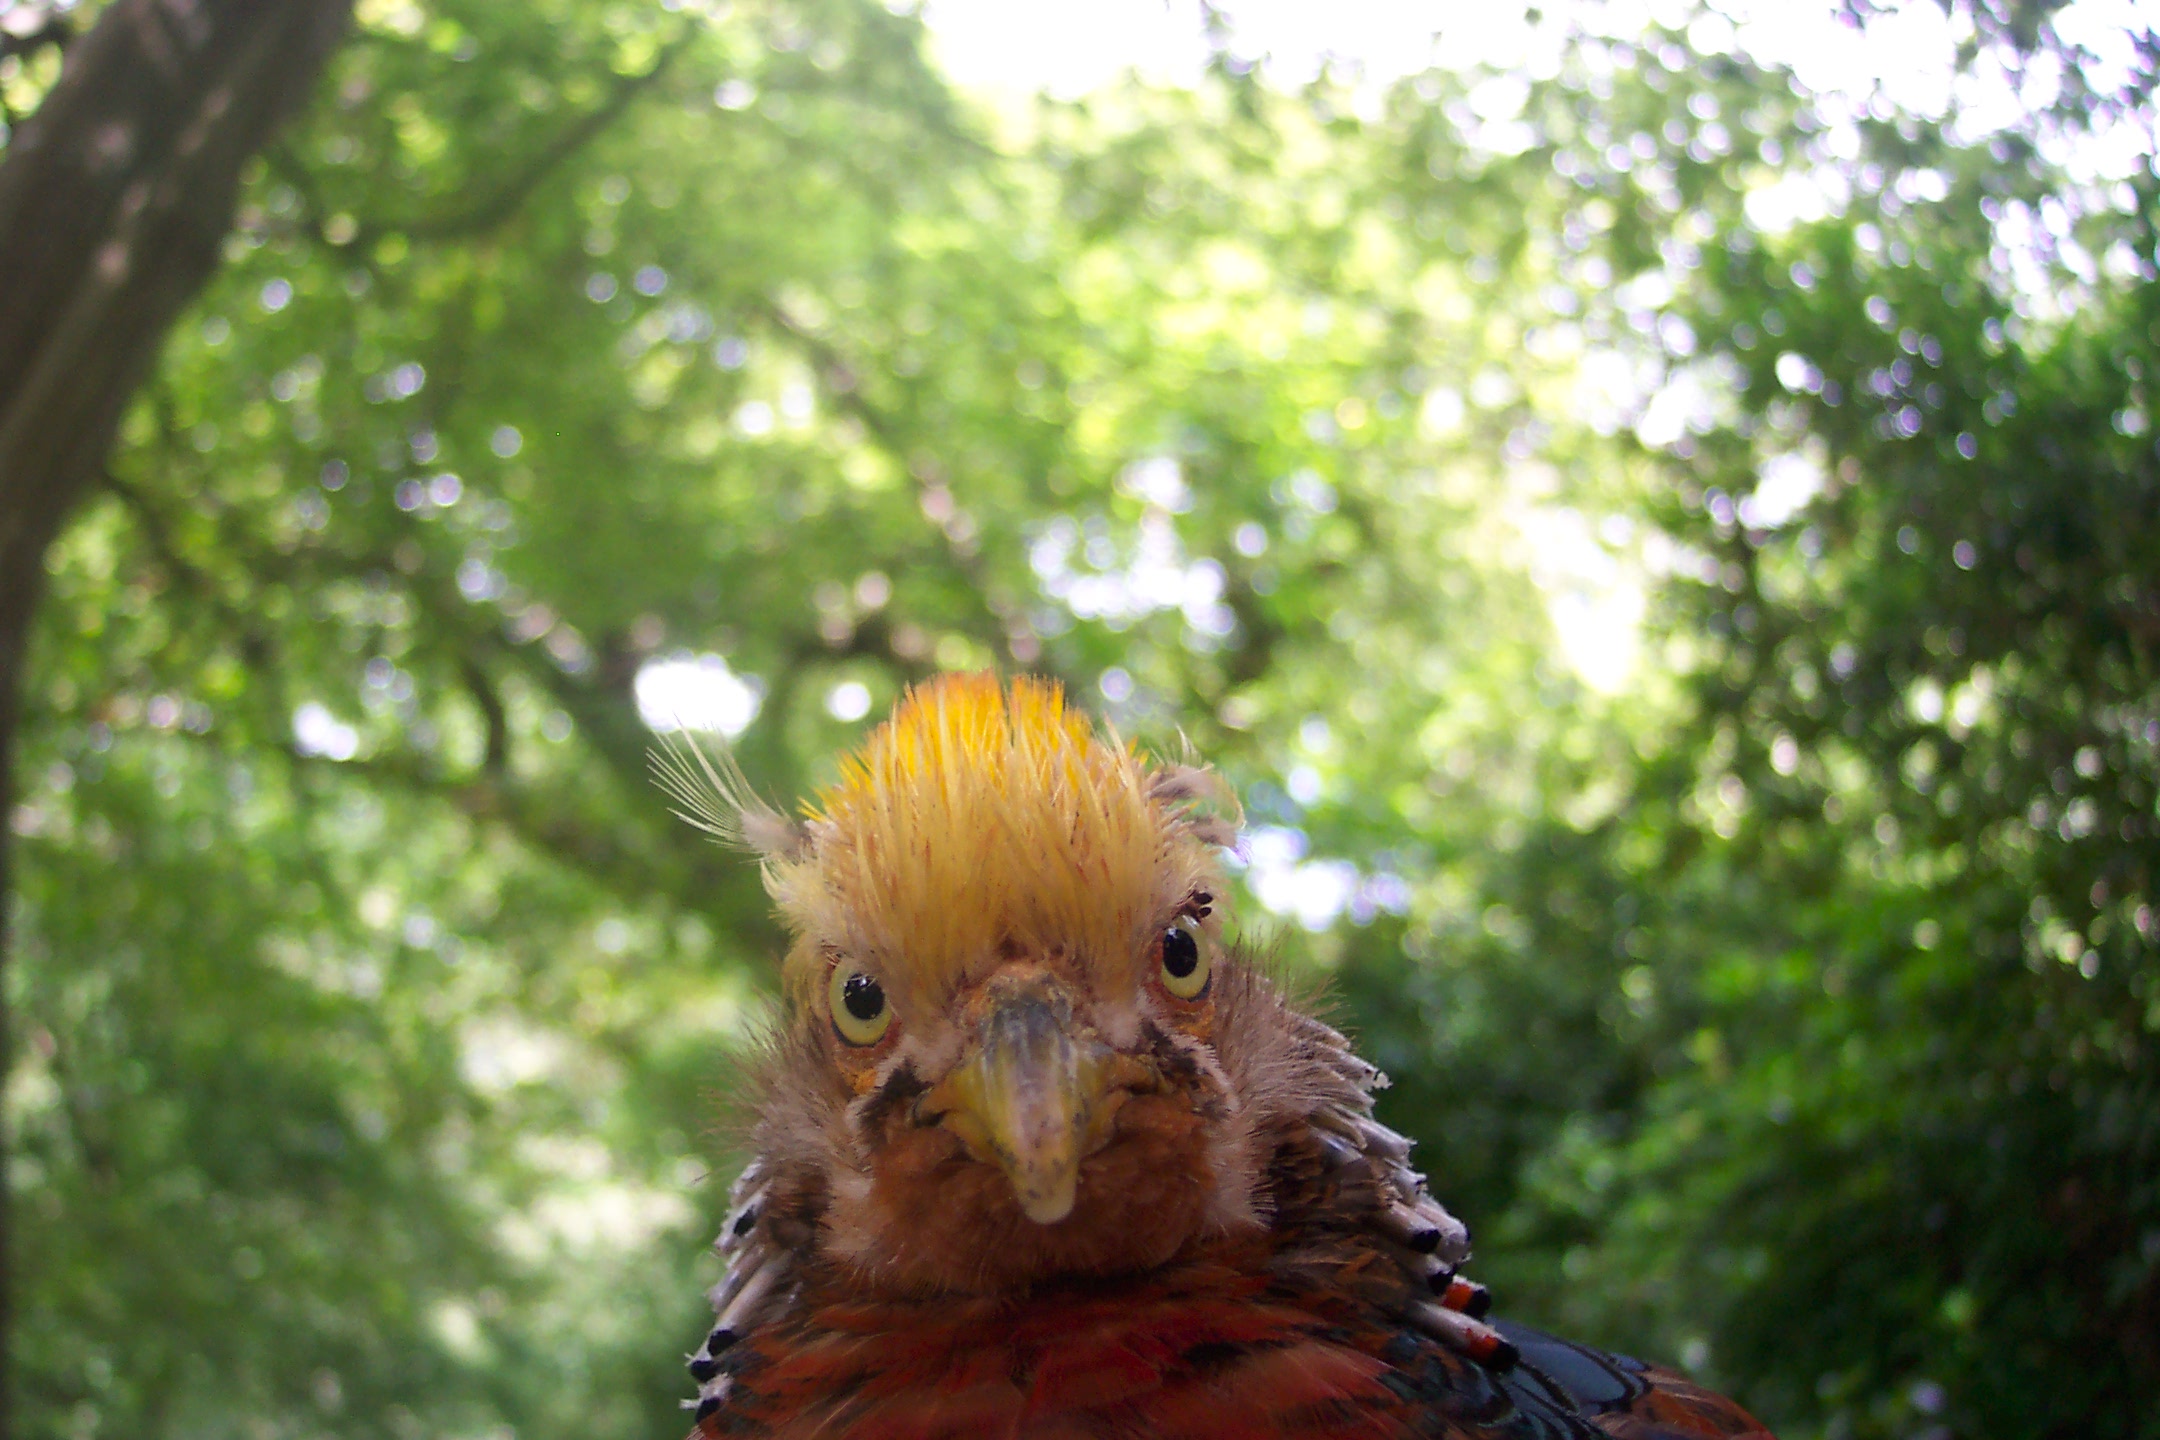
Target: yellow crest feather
(980, 817)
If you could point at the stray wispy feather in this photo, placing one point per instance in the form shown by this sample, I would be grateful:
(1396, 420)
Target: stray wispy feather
(712, 794)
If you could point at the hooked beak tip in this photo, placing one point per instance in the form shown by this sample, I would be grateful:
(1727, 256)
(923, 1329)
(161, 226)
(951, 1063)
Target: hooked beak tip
(1034, 1099)
(1050, 1203)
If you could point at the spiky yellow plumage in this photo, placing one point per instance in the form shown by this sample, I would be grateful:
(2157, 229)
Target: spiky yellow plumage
(1056, 837)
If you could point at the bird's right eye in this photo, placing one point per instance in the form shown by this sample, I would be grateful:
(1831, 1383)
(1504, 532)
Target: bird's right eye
(859, 1011)
(1184, 963)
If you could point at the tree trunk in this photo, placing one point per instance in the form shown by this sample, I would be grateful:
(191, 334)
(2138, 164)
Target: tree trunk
(115, 197)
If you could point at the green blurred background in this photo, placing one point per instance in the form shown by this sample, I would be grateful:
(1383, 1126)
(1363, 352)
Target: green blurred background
(1670, 555)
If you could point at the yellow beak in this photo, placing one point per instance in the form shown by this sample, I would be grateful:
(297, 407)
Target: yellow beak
(1033, 1097)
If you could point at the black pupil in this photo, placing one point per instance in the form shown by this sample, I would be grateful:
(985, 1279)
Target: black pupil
(863, 996)
(1180, 953)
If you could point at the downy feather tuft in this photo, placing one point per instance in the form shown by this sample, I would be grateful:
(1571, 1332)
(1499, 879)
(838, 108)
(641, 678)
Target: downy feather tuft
(712, 795)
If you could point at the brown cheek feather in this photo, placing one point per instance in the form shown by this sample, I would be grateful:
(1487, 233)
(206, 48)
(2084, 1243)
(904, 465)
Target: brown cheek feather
(940, 1222)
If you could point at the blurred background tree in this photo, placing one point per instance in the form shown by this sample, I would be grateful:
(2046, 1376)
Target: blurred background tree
(1770, 976)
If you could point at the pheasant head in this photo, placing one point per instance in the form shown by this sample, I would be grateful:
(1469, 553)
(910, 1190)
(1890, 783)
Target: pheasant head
(1038, 1151)
(1002, 1060)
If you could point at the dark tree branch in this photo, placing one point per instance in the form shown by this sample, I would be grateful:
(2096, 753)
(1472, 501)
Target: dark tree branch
(114, 198)
(706, 882)
(929, 476)
(57, 29)
(485, 215)
(630, 861)
(495, 763)
(495, 209)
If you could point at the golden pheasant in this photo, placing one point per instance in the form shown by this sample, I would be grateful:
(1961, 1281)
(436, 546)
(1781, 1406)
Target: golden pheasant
(1040, 1152)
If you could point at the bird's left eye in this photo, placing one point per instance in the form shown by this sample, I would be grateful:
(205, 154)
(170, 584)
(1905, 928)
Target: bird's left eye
(857, 1002)
(1185, 967)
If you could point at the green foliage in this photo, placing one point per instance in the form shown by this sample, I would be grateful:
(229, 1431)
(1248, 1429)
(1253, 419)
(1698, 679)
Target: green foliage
(1785, 1007)
(1940, 702)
